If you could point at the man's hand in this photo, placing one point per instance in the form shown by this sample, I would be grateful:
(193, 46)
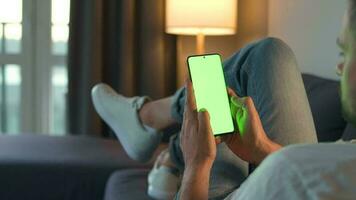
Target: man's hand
(199, 149)
(196, 139)
(250, 143)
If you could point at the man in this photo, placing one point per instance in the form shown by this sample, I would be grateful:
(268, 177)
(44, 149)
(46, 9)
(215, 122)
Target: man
(323, 171)
(274, 110)
(265, 71)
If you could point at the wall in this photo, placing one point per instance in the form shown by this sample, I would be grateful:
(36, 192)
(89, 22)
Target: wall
(310, 27)
(251, 25)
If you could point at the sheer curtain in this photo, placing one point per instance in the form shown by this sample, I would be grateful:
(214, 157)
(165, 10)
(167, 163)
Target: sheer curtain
(122, 43)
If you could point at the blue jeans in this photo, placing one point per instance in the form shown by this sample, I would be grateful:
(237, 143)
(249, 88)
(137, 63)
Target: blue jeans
(267, 72)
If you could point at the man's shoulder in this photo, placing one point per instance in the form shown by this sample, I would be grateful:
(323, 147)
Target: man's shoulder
(303, 172)
(310, 157)
(317, 152)
(323, 169)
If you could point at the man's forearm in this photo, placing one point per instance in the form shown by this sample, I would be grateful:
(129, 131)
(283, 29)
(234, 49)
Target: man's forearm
(195, 183)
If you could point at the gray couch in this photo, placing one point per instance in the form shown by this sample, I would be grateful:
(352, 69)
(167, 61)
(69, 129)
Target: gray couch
(44, 167)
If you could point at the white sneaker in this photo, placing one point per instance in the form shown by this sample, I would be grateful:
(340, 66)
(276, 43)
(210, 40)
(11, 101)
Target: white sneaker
(121, 114)
(163, 181)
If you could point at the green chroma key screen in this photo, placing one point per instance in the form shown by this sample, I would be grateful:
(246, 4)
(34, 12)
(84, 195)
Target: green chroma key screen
(206, 73)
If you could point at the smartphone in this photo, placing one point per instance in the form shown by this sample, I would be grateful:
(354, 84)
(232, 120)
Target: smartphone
(207, 76)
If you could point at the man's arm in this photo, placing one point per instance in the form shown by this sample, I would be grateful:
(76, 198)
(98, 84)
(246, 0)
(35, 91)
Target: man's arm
(199, 150)
(195, 183)
(199, 145)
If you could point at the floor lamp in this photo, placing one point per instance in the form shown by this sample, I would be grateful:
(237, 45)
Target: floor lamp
(200, 18)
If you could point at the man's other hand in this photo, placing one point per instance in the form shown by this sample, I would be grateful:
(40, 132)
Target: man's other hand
(250, 142)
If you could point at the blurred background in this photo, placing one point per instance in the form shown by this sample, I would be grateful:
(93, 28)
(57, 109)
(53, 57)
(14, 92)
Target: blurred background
(53, 51)
(33, 65)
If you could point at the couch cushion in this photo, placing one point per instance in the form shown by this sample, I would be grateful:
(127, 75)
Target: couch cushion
(127, 184)
(324, 100)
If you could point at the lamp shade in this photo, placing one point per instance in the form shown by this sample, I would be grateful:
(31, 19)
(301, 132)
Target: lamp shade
(208, 17)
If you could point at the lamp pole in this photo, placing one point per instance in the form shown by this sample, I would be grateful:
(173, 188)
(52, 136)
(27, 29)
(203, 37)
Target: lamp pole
(200, 43)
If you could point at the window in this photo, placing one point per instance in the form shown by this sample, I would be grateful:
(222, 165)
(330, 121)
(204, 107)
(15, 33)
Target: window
(11, 55)
(33, 67)
(59, 75)
(10, 96)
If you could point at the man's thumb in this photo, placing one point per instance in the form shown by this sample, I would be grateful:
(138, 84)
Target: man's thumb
(204, 120)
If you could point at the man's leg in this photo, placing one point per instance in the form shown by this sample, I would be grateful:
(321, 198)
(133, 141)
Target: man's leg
(267, 72)
(136, 121)
(157, 114)
(138, 124)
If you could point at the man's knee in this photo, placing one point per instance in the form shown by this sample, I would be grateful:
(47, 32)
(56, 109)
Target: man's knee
(273, 55)
(272, 41)
(273, 46)
(269, 48)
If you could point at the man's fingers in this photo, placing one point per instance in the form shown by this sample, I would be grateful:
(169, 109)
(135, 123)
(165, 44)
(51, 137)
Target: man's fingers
(190, 101)
(190, 112)
(204, 121)
(233, 109)
(238, 102)
(218, 140)
(231, 92)
(239, 113)
(226, 138)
